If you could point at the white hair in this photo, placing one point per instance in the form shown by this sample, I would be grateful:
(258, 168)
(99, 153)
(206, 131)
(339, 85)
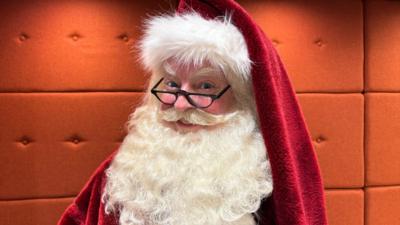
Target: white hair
(163, 177)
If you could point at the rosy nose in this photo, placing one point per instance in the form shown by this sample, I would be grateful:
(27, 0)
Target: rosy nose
(182, 104)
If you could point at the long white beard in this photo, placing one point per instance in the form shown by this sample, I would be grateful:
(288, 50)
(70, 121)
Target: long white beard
(163, 177)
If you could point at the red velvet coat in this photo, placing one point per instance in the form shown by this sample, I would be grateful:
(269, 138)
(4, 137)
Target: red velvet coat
(87, 208)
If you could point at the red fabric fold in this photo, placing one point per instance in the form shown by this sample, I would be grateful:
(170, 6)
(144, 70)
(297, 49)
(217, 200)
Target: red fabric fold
(87, 208)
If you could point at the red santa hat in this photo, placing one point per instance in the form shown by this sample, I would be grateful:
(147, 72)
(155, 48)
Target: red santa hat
(223, 34)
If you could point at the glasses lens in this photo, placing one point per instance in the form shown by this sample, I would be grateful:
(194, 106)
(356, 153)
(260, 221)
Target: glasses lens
(167, 98)
(201, 101)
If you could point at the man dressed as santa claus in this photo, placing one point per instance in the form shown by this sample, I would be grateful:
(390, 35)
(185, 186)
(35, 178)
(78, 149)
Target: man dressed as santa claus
(219, 138)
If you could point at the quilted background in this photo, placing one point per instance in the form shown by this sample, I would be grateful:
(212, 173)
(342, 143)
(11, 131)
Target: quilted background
(69, 78)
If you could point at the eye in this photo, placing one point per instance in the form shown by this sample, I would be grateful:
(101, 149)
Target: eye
(172, 84)
(206, 85)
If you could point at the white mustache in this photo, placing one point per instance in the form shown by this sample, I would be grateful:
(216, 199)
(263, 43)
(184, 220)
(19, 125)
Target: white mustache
(195, 116)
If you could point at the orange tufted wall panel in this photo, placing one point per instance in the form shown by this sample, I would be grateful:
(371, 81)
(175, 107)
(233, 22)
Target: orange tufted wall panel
(69, 79)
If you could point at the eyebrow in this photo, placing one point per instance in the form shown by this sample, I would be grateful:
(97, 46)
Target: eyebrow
(167, 68)
(199, 73)
(205, 71)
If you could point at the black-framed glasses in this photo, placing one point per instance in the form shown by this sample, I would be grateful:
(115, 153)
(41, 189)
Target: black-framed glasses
(197, 100)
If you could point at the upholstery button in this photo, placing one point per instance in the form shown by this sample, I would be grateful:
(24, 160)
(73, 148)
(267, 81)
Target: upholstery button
(275, 42)
(23, 37)
(75, 36)
(25, 140)
(319, 42)
(319, 139)
(124, 37)
(75, 139)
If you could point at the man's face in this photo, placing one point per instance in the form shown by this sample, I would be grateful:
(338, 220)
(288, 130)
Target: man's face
(202, 79)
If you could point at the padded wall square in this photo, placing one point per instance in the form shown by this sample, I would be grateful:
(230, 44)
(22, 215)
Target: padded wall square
(70, 45)
(336, 125)
(345, 207)
(321, 42)
(32, 212)
(382, 139)
(382, 205)
(382, 26)
(51, 143)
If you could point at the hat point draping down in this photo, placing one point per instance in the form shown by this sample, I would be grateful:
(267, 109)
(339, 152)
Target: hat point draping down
(298, 197)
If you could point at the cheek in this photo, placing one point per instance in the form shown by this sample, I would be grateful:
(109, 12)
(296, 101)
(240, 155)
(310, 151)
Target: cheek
(215, 108)
(164, 106)
(222, 105)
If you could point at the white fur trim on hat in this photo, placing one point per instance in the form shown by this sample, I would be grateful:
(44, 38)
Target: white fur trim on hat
(190, 38)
